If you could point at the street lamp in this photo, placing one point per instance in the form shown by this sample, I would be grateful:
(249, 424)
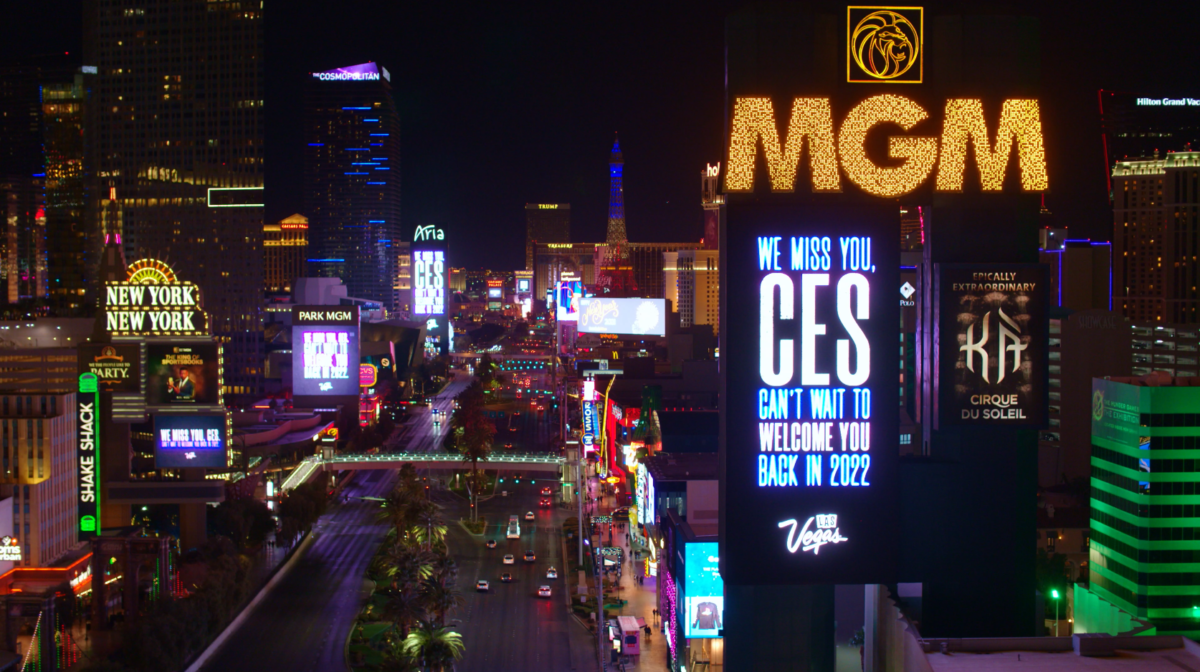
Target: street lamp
(1054, 596)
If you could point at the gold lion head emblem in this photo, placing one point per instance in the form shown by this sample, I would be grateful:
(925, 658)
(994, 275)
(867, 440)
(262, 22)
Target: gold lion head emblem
(885, 44)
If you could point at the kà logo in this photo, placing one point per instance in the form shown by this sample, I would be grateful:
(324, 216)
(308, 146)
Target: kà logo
(812, 539)
(1009, 345)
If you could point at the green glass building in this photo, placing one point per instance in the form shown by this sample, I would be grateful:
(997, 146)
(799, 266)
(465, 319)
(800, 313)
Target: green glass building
(1144, 554)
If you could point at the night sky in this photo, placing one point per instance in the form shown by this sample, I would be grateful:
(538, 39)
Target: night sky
(518, 102)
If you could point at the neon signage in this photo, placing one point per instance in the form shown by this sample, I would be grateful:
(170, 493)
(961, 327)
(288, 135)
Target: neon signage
(429, 282)
(10, 549)
(811, 411)
(811, 123)
(87, 456)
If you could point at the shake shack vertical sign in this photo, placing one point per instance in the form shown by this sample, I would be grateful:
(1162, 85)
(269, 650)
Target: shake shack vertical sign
(118, 368)
(87, 417)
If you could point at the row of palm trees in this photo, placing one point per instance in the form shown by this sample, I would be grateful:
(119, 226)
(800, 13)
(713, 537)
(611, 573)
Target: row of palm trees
(416, 576)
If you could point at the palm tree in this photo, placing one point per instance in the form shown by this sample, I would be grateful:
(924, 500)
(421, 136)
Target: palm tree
(443, 570)
(396, 511)
(396, 659)
(433, 647)
(440, 600)
(404, 607)
(430, 528)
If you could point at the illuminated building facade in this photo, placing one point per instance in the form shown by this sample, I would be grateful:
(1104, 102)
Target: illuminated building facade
(1137, 126)
(352, 180)
(285, 253)
(178, 137)
(643, 264)
(552, 260)
(403, 284)
(691, 281)
(42, 186)
(711, 200)
(1156, 209)
(37, 460)
(545, 223)
(458, 280)
(1143, 547)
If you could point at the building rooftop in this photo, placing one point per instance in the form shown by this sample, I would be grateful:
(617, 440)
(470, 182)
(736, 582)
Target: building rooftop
(1157, 379)
(1162, 660)
(1156, 166)
(683, 467)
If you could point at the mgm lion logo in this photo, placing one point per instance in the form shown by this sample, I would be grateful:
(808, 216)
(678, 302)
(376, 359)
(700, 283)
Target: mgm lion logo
(884, 45)
(1098, 405)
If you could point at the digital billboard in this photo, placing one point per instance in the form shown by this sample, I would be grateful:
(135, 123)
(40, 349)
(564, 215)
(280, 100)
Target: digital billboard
(118, 368)
(1116, 412)
(704, 591)
(183, 374)
(570, 293)
(194, 440)
(429, 282)
(87, 456)
(590, 426)
(638, 317)
(524, 285)
(811, 411)
(325, 359)
(495, 293)
(993, 344)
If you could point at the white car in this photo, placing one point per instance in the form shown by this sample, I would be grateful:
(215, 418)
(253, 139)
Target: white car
(544, 591)
(509, 559)
(529, 515)
(552, 573)
(481, 586)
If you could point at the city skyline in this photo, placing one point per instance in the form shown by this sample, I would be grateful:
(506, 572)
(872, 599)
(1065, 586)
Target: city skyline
(519, 105)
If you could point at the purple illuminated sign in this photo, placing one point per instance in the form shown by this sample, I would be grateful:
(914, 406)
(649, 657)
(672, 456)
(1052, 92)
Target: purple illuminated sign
(354, 73)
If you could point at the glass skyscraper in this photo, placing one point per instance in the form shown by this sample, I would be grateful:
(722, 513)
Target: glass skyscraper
(178, 133)
(352, 181)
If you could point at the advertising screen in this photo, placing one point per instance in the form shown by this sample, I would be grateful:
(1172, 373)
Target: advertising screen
(118, 368)
(429, 282)
(1116, 413)
(811, 433)
(638, 317)
(590, 426)
(704, 591)
(189, 441)
(570, 292)
(183, 374)
(325, 360)
(495, 293)
(87, 455)
(993, 344)
(524, 285)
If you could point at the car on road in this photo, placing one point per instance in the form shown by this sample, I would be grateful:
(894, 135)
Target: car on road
(491, 543)
(481, 586)
(621, 513)
(545, 501)
(435, 411)
(552, 573)
(544, 591)
(546, 492)
(530, 557)
(509, 559)
(506, 578)
(529, 515)
(508, 445)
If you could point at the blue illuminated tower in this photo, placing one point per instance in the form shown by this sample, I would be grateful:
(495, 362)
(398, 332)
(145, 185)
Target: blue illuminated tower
(616, 196)
(352, 180)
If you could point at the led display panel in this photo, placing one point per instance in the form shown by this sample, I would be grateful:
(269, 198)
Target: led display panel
(570, 293)
(325, 357)
(183, 374)
(196, 440)
(495, 292)
(810, 436)
(429, 282)
(637, 317)
(118, 368)
(993, 345)
(704, 591)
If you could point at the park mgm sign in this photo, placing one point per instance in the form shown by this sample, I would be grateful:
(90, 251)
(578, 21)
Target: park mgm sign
(153, 302)
(884, 45)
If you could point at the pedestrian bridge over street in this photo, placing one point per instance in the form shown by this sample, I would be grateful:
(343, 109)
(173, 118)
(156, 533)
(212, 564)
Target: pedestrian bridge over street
(540, 462)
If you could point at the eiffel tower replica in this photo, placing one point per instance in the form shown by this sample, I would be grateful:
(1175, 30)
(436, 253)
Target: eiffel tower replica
(614, 275)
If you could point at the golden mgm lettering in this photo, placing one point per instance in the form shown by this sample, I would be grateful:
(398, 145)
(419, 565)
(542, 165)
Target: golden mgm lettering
(811, 120)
